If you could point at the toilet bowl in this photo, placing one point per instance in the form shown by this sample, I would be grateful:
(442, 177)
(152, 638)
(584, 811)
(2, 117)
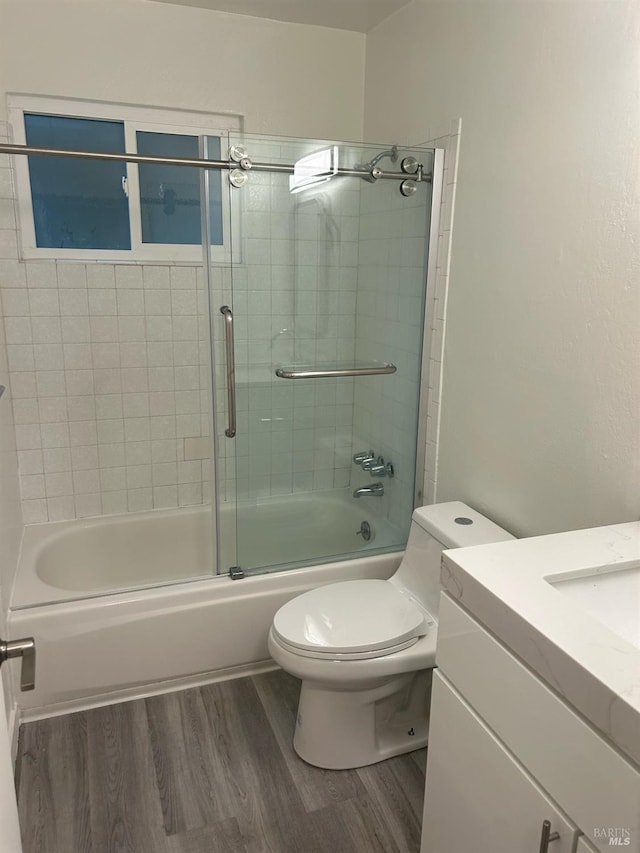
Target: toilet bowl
(365, 649)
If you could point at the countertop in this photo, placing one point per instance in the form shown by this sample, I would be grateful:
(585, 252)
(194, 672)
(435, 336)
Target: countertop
(508, 586)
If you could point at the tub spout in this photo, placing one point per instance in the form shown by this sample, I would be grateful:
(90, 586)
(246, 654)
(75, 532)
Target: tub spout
(375, 489)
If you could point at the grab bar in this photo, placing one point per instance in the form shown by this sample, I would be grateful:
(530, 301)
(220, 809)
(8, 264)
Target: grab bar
(227, 313)
(374, 370)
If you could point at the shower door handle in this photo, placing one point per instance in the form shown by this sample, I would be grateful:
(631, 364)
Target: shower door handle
(227, 313)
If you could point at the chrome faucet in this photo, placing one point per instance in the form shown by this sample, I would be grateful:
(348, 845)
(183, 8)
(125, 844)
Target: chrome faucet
(375, 489)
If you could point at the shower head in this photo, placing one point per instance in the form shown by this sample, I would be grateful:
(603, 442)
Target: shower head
(369, 166)
(392, 154)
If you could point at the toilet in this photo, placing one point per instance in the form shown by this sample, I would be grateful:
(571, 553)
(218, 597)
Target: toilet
(365, 649)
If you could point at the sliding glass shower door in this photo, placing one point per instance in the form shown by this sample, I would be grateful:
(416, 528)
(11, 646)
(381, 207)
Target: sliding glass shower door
(319, 337)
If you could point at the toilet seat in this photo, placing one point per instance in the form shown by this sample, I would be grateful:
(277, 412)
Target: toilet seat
(333, 621)
(338, 656)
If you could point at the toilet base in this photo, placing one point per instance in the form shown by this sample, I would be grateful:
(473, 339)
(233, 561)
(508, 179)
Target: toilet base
(341, 729)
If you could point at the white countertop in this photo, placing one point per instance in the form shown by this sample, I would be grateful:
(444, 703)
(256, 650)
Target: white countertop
(508, 587)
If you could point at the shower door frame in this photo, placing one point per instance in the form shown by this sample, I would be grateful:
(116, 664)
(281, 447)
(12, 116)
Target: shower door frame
(428, 322)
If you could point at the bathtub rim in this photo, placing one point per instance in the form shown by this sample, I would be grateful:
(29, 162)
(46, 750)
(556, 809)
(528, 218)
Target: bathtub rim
(30, 590)
(227, 588)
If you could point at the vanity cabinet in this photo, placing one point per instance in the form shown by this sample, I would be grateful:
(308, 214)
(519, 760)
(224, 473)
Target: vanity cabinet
(478, 796)
(506, 753)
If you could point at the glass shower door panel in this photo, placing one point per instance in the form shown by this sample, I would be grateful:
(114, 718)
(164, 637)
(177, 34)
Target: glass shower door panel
(306, 297)
(213, 449)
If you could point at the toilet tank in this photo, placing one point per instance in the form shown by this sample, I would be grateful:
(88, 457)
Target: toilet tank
(434, 528)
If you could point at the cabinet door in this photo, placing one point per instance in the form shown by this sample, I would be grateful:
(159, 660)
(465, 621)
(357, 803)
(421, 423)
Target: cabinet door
(478, 797)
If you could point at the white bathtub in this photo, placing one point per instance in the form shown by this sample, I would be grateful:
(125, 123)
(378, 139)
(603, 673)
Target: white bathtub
(69, 560)
(94, 645)
(78, 559)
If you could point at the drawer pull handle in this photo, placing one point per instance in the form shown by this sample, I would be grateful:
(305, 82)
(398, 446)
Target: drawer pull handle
(547, 836)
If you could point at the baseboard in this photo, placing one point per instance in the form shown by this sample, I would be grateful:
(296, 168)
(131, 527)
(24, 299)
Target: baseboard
(140, 692)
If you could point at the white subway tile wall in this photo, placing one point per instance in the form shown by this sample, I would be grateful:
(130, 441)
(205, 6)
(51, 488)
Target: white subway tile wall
(391, 287)
(109, 369)
(294, 301)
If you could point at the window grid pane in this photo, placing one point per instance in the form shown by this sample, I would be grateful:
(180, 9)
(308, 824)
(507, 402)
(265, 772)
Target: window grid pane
(78, 204)
(170, 195)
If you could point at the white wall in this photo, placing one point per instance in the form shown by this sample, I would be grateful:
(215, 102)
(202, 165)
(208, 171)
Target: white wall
(284, 78)
(541, 398)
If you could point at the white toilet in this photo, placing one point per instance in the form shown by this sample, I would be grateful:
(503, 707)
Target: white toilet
(365, 649)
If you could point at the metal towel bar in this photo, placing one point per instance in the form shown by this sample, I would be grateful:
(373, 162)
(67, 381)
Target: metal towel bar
(373, 370)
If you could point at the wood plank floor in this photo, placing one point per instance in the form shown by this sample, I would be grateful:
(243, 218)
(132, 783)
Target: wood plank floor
(208, 769)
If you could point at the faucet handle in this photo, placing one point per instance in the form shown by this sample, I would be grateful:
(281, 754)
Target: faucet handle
(380, 468)
(363, 456)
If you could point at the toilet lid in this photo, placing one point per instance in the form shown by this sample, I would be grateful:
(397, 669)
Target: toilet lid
(348, 617)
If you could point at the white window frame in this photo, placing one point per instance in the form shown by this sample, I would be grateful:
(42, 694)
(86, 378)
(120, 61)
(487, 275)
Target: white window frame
(133, 118)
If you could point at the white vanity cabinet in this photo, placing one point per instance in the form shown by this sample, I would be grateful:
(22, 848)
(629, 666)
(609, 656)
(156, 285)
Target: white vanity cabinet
(506, 753)
(479, 798)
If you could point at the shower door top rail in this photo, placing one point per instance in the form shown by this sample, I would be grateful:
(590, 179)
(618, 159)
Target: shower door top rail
(244, 164)
(336, 372)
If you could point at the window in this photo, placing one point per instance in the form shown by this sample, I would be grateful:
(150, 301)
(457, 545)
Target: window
(102, 210)
(77, 204)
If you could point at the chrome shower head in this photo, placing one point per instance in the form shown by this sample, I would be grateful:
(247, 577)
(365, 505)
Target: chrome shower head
(392, 154)
(367, 168)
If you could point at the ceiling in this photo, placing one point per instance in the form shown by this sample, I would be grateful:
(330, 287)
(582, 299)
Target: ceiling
(358, 15)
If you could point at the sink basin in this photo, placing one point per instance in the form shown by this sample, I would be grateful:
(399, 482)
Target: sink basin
(611, 597)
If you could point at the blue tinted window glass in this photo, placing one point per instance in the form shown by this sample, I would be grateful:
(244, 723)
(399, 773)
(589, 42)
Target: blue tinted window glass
(170, 195)
(78, 204)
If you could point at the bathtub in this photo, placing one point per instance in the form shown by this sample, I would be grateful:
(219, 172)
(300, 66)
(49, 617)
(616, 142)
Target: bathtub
(126, 606)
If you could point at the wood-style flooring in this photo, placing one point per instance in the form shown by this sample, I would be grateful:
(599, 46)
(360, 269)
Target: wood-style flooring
(208, 769)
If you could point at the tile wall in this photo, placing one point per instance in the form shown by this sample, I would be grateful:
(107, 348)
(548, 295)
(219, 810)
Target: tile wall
(110, 363)
(109, 373)
(383, 410)
(391, 276)
(294, 300)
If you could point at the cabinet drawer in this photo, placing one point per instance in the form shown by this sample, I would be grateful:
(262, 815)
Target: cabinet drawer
(478, 797)
(595, 785)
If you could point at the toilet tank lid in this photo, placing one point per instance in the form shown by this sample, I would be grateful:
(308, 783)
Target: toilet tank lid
(445, 522)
